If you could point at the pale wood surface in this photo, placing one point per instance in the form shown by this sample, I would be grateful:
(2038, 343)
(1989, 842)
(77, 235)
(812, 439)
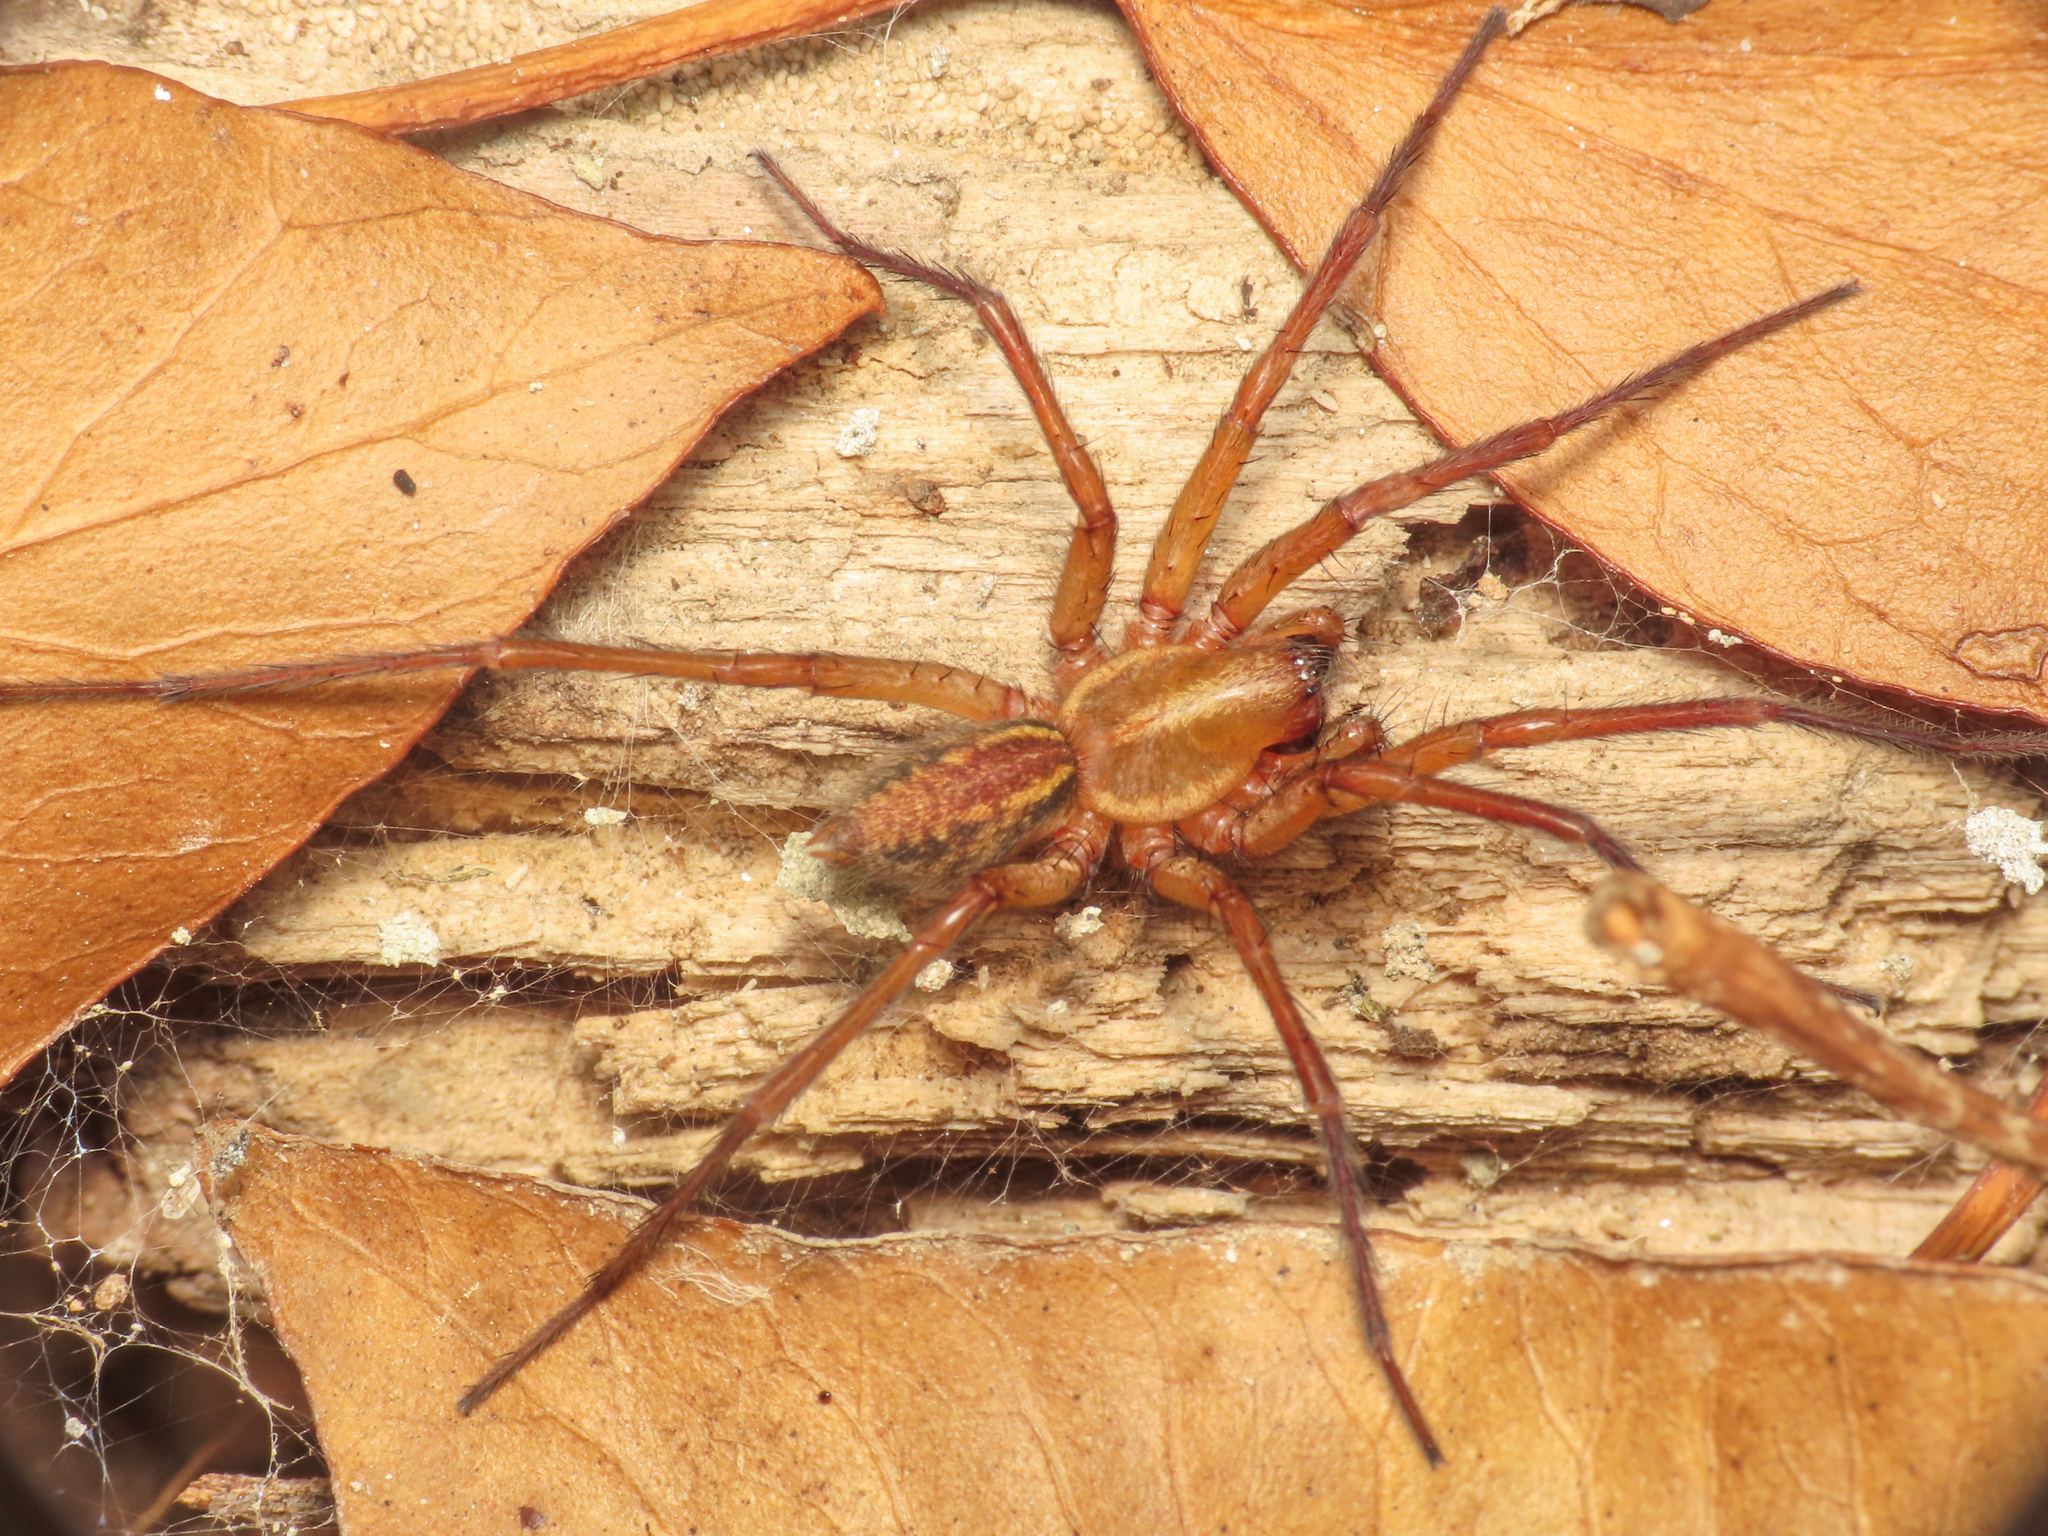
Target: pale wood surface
(1473, 1027)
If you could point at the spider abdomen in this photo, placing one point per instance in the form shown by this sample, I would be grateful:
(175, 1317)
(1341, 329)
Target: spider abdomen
(1164, 732)
(955, 811)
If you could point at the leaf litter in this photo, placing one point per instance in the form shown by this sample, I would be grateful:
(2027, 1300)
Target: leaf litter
(1198, 110)
(276, 387)
(755, 1382)
(1867, 496)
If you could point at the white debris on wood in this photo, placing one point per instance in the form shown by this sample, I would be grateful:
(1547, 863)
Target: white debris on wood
(408, 939)
(182, 1193)
(2010, 841)
(1073, 927)
(1407, 952)
(602, 815)
(933, 978)
(858, 437)
(863, 916)
(1482, 1168)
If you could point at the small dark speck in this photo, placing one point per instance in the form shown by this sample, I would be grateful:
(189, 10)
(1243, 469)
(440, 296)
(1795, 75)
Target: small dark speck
(342, 382)
(284, 356)
(404, 482)
(294, 410)
(824, 1397)
(531, 1519)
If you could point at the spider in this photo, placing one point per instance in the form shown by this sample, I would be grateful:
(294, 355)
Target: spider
(1201, 737)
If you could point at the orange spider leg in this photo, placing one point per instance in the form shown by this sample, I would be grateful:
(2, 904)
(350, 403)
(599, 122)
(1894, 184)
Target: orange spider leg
(1271, 570)
(1075, 849)
(1177, 553)
(1191, 882)
(1338, 789)
(955, 690)
(1996, 1198)
(1084, 583)
(1436, 750)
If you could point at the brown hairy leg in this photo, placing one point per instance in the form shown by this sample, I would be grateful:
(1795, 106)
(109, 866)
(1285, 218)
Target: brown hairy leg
(1271, 570)
(1193, 882)
(953, 690)
(1075, 849)
(1177, 552)
(1084, 580)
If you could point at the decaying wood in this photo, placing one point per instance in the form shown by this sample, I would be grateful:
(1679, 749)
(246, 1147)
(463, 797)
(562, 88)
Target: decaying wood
(232, 1503)
(505, 970)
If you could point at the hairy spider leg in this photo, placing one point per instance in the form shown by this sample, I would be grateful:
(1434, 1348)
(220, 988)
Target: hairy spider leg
(1275, 812)
(954, 690)
(1996, 1198)
(1697, 955)
(1177, 553)
(1451, 745)
(1271, 570)
(1338, 789)
(1084, 581)
(1192, 882)
(1075, 849)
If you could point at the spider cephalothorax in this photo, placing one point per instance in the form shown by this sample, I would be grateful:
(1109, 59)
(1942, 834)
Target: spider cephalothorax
(1203, 736)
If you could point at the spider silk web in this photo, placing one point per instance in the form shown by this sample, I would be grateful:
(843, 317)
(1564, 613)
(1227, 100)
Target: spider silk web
(137, 1340)
(442, 970)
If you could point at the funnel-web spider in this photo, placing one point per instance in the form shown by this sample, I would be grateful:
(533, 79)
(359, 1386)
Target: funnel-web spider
(1201, 737)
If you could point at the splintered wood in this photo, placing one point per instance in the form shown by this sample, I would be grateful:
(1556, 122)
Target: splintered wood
(1473, 1028)
(557, 942)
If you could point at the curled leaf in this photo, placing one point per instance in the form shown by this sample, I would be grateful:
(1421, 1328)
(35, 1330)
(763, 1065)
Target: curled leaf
(613, 57)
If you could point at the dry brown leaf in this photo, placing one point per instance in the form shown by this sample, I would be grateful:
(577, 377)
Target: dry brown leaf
(752, 1382)
(1501, 1030)
(615, 57)
(1842, 855)
(1868, 496)
(227, 336)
